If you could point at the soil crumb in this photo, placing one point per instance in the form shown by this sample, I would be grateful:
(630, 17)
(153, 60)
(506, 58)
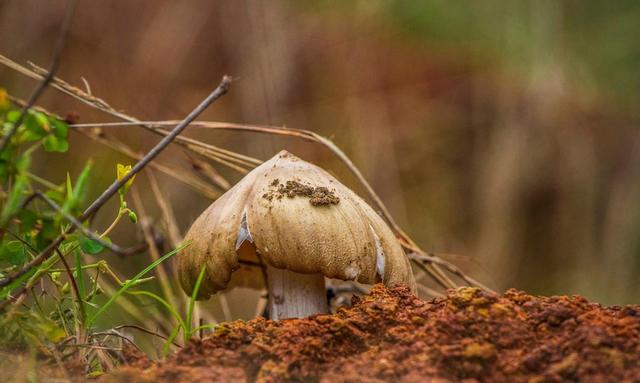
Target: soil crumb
(391, 335)
(318, 195)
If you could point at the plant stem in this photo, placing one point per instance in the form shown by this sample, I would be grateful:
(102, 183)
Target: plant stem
(295, 295)
(113, 224)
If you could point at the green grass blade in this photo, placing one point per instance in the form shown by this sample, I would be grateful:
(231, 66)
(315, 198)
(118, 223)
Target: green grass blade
(132, 281)
(204, 327)
(192, 304)
(170, 339)
(166, 304)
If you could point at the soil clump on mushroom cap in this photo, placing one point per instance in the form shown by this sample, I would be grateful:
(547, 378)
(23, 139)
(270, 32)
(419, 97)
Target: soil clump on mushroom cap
(391, 335)
(318, 195)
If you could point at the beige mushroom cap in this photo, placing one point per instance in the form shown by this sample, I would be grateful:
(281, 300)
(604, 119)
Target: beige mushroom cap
(291, 215)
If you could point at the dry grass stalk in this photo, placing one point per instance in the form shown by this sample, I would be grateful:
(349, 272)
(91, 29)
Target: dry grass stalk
(207, 170)
(201, 187)
(154, 252)
(212, 152)
(168, 217)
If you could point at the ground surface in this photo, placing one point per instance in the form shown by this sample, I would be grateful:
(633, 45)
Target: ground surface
(390, 335)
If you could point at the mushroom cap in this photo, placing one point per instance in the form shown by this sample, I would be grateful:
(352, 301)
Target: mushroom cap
(291, 215)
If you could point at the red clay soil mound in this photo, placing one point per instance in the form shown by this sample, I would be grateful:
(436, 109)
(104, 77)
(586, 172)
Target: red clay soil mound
(390, 335)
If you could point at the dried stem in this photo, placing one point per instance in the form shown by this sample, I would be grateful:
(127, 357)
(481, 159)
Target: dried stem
(421, 258)
(168, 216)
(193, 182)
(206, 150)
(140, 328)
(167, 290)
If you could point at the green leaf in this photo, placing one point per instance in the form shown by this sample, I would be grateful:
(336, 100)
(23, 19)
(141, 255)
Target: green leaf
(52, 331)
(14, 200)
(4, 170)
(90, 246)
(59, 128)
(76, 194)
(13, 115)
(5, 155)
(69, 187)
(55, 194)
(28, 220)
(52, 143)
(42, 120)
(35, 127)
(23, 162)
(48, 231)
(13, 253)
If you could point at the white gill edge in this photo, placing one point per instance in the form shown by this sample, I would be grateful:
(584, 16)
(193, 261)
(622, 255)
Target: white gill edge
(243, 234)
(379, 254)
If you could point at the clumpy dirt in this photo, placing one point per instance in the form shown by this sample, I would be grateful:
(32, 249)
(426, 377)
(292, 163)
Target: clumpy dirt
(318, 195)
(391, 335)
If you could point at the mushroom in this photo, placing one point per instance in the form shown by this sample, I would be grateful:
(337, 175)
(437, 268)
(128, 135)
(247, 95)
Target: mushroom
(303, 225)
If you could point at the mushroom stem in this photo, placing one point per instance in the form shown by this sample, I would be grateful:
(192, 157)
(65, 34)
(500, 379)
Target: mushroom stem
(295, 295)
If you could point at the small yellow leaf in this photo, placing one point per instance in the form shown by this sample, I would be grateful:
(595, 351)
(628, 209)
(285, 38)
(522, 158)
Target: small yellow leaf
(121, 172)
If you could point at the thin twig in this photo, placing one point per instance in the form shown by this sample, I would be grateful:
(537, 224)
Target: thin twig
(450, 267)
(116, 334)
(206, 169)
(76, 292)
(140, 328)
(53, 68)
(111, 142)
(206, 150)
(180, 175)
(153, 153)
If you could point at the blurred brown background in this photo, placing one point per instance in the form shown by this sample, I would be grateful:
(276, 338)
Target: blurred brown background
(504, 132)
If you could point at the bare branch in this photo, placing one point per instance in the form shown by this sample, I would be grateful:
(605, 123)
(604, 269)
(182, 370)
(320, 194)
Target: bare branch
(153, 153)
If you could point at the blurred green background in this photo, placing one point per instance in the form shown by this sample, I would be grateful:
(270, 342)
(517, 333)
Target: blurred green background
(503, 134)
